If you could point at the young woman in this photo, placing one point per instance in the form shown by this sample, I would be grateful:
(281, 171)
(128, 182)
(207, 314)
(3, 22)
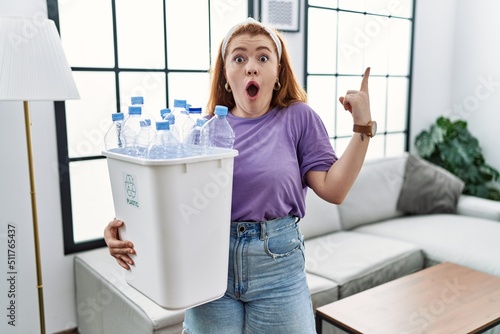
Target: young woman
(283, 149)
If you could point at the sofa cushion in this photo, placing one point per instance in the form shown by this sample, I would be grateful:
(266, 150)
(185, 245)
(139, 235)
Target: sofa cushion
(358, 261)
(107, 304)
(323, 291)
(428, 188)
(468, 241)
(321, 217)
(478, 207)
(374, 195)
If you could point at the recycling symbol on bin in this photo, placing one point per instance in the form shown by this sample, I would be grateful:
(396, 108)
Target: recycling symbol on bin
(130, 186)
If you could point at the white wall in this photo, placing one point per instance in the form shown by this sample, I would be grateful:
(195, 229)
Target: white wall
(15, 208)
(476, 72)
(454, 45)
(295, 44)
(456, 69)
(432, 63)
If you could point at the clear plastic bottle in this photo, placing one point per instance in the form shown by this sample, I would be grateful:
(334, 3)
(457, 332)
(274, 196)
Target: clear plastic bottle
(190, 123)
(146, 136)
(181, 114)
(164, 144)
(113, 137)
(217, 132)
(193, 145)
(166, 114)
(195, 135)
(131, 129)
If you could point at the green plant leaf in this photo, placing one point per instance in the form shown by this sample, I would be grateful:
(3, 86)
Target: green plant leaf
(494, 194)
(450, 145)
(424, 144)
(437, 134)
(489, 173)
(443, 122)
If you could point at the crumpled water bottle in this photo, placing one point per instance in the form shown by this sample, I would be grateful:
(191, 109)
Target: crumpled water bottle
(146, 136)
(164, 144)
(113, 136)
(166, 114)
(131, 129)
(217, 132)
(180, 113)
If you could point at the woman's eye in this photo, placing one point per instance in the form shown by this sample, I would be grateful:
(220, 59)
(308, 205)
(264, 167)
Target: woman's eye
(238, 59)
(264, 58)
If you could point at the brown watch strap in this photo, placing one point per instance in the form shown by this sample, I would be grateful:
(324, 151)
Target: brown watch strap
(367, 129)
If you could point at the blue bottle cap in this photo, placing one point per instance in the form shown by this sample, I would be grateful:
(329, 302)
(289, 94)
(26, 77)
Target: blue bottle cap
(117, 116)
(164, 111)
(221, 110)
(162, 125)
(193, 110)
(135, 110)
(180, 104)
(137, 100)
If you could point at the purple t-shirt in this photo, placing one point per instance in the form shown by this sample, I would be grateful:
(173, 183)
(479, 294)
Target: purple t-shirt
(276, 150)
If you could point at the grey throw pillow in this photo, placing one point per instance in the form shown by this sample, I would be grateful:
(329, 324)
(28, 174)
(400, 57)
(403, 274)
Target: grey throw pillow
(428, 188)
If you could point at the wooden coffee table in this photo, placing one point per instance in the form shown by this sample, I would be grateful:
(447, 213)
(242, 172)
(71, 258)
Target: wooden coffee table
(446, 298)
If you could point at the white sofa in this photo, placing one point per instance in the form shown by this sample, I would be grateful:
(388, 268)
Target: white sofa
(364, 242)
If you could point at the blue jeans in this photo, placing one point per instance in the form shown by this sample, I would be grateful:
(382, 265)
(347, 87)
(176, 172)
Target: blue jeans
(266, 287)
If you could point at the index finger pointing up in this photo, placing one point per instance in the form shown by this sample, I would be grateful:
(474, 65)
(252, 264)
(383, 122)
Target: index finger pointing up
(364, 82)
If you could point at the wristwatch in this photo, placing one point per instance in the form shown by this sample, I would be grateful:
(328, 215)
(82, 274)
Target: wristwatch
(370, 129)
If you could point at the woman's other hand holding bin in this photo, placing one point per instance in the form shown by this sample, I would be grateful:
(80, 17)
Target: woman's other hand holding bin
(119, 249)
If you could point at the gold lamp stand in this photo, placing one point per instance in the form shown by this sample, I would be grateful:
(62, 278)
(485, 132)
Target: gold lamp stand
(36, 238)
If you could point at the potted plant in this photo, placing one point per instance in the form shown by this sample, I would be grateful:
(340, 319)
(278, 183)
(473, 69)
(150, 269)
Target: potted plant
(450, 145)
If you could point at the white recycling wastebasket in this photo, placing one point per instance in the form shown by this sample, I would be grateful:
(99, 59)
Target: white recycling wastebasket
(177, 212)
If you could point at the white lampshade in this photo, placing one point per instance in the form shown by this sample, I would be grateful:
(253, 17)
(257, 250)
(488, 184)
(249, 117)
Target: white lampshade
(33, 66)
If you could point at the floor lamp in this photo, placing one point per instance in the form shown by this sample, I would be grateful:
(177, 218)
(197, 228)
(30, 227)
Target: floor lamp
(33, 67)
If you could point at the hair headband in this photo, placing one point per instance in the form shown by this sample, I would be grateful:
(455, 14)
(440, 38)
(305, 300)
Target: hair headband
(271, 33)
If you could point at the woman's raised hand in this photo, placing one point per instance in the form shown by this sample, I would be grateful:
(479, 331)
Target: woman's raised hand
(357, 102)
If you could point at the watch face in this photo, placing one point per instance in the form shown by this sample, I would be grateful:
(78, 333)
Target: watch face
(374, 128)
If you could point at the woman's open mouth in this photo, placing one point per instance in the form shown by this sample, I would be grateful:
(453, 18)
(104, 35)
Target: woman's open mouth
(252, 89)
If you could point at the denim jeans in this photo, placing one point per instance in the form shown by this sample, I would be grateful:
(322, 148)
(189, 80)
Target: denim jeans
(267, 290)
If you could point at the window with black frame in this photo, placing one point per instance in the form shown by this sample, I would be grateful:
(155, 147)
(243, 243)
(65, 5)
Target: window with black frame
(344, 37)
(160, 50)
